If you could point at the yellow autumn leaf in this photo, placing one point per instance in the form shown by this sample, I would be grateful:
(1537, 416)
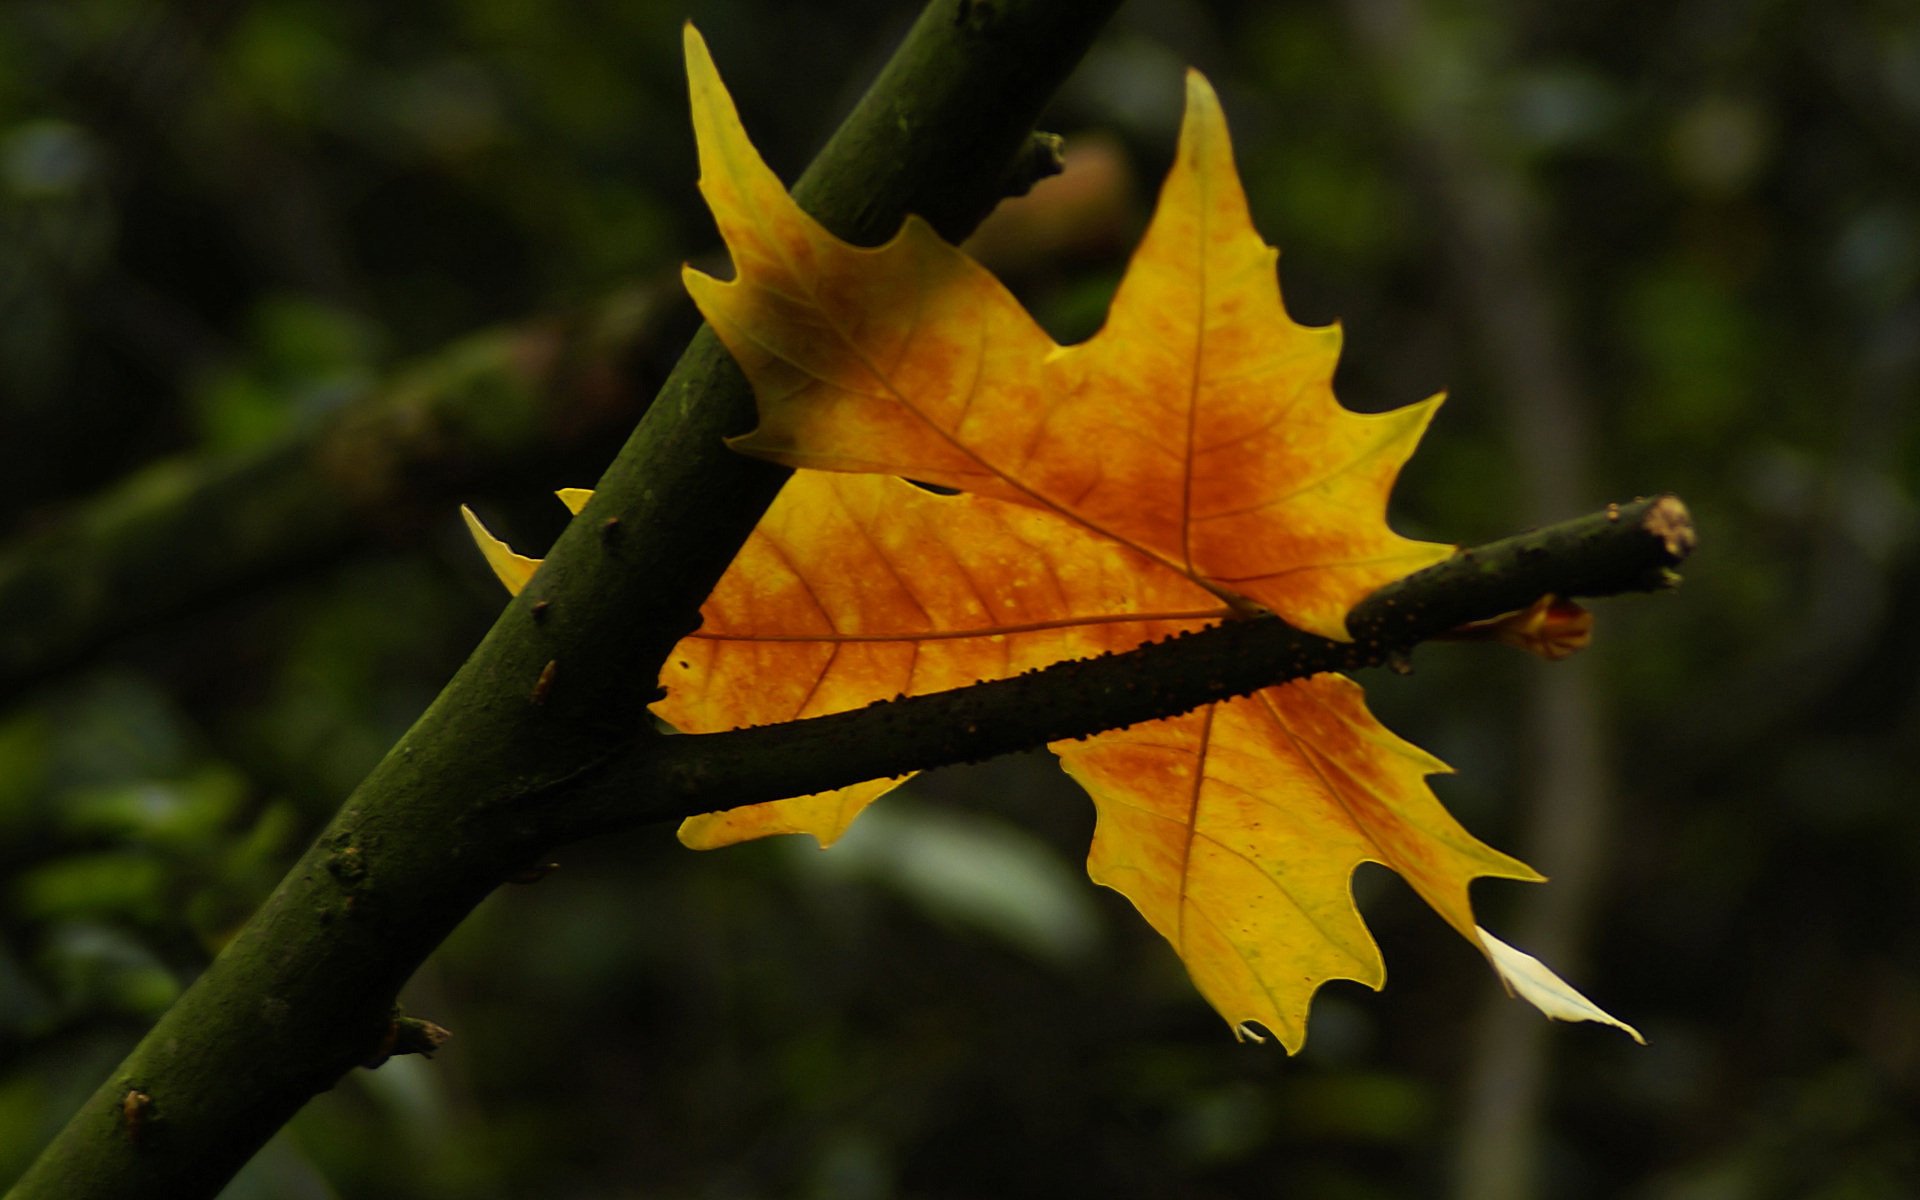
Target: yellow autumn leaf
(1188, 465)
(1235, 830)
(1198, 427)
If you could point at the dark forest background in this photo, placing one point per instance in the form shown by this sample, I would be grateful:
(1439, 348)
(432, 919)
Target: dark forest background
(1644, 246)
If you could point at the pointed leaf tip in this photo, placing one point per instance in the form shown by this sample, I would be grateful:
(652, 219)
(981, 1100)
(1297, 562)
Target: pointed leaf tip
(756, 217)
(700, 66)
(1201, 98)
(1207, 144)
(1528, 978)
(513, 570)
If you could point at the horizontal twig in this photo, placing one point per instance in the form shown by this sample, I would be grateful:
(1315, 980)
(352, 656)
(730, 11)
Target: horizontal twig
(1625, 548)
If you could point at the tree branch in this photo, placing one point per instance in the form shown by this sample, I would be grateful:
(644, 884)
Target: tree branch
(1625, 548)
(304, 992)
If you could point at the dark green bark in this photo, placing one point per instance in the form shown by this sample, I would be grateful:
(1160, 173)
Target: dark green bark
(304, 992)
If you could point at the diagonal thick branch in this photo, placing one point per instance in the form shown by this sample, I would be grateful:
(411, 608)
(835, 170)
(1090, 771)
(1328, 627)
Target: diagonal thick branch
(304, 991)
(1625, 548)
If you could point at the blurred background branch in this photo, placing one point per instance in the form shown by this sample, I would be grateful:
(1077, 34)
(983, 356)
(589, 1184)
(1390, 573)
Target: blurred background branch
(1434, 78)
(181, 536)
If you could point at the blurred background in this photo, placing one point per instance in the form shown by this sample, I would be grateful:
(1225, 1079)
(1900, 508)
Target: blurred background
(283, 281)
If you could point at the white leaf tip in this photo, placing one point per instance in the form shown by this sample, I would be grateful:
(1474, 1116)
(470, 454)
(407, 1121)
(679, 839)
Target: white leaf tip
(1527, 977)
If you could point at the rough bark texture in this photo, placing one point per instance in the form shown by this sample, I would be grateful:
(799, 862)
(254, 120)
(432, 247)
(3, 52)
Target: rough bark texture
(304, 992)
